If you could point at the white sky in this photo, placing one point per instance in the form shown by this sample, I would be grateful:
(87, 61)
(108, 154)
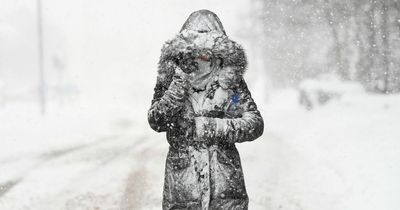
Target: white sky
(100, 41)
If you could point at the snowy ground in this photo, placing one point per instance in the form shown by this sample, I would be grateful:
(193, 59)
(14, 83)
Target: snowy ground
(342, 156)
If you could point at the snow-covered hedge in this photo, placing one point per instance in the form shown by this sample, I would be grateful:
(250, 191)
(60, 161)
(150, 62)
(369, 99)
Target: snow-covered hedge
(326, 87)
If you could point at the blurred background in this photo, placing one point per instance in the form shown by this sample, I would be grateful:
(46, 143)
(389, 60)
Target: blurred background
(77, 79)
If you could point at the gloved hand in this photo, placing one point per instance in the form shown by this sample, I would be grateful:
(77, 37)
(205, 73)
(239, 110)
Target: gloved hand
(200, 128)
(182, 75)
(186, 62)
(178, 89)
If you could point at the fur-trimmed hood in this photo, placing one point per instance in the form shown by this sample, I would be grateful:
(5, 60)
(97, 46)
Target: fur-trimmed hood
(203, 33)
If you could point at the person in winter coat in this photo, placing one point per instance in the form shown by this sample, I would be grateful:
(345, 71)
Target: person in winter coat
(203, 104)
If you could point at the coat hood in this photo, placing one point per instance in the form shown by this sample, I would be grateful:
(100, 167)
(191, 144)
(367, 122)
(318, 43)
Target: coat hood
(202, 33)
(203, 21)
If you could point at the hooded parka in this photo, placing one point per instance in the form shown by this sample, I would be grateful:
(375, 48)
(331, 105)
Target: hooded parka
(204, 112)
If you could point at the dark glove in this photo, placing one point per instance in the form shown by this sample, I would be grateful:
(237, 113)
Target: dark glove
(178, 90)
(186, 61)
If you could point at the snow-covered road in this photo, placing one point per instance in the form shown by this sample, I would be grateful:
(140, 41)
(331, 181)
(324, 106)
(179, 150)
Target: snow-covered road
(110, 173)
(342, 156)
(67, 160)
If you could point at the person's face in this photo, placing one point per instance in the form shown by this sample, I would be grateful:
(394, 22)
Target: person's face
(203, 73)
(203, 60)
(204, 57)
(204, 65)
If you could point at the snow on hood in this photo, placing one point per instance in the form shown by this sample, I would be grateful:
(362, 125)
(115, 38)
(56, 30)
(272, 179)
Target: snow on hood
(203, 21)
(202, 33)
(202, 28)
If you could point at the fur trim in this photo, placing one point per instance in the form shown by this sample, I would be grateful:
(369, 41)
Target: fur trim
(231, 53)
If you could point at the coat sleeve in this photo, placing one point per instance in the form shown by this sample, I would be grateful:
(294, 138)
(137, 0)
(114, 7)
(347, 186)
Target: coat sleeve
(170, 93)
(248, 127)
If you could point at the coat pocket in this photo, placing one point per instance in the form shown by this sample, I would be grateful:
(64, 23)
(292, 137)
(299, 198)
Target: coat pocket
(229, 157)
(229, 175)
(178, 159)
(181, 184)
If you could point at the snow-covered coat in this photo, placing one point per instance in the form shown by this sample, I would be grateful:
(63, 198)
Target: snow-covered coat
(203, 122)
